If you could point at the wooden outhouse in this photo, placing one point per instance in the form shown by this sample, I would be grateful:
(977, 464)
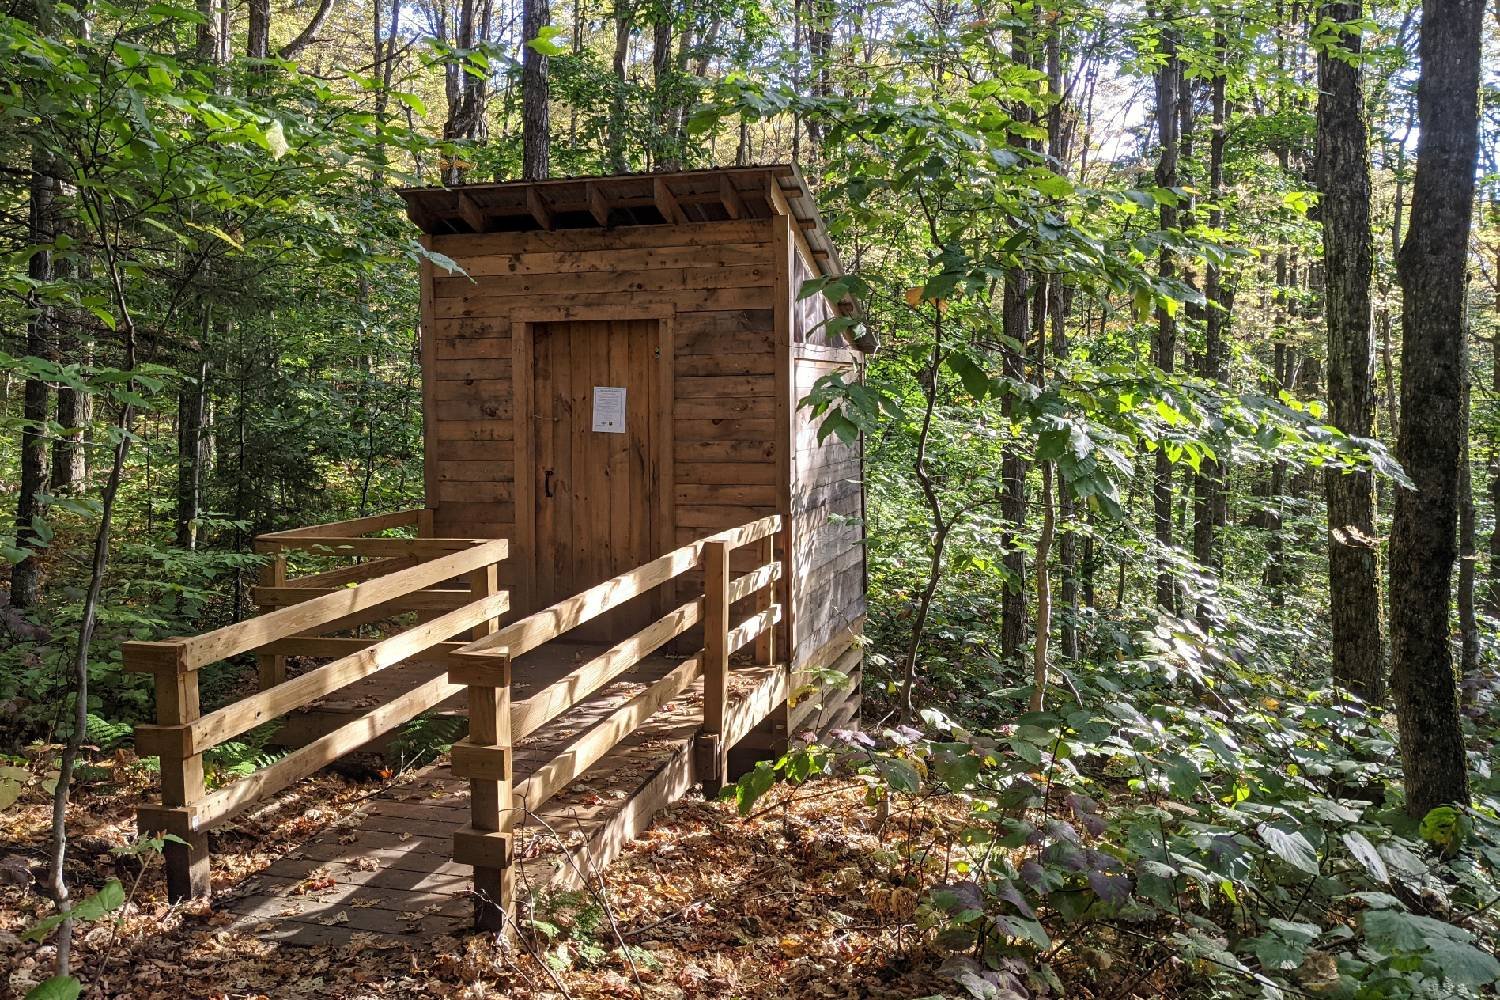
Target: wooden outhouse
(612, 367)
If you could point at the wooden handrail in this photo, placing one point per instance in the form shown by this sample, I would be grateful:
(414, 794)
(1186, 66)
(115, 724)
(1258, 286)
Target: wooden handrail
(485, 665)
(340, 546)
(350, 528)
(543, 626)
(184, 655)
(247, 713)
(343, 575)
(182, 733)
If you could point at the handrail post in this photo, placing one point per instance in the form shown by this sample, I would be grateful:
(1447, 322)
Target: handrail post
(181, 783)
(485, 758)
(711, 751)
(271, 668)
(765, 643)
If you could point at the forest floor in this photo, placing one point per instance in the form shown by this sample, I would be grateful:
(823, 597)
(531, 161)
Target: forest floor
(811, 896)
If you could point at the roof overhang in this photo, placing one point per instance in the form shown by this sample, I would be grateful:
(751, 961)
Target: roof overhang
(721, 194)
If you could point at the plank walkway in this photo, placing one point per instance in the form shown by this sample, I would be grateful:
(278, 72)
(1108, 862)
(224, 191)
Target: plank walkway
(386, 870)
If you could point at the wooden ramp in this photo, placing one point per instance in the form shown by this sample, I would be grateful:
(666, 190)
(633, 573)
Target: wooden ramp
(388, 869)
(577, 733)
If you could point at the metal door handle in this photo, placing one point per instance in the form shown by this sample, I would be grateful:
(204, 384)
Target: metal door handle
(547, 483)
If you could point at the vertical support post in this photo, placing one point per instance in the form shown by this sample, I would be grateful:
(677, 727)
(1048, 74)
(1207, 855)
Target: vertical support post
(765, 598)
(711, 751)
(424, 523)
(485, 759)
(181, 786)
(770, 738)
(272, 669)
(490, 817)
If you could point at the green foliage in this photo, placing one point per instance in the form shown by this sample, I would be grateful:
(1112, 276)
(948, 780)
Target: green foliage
(424, 739)
(1253, 819)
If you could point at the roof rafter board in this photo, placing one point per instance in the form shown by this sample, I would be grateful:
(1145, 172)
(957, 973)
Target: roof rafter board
(783, 207)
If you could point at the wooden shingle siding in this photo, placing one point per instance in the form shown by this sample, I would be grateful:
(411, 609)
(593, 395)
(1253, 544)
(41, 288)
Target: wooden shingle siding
(827, 511)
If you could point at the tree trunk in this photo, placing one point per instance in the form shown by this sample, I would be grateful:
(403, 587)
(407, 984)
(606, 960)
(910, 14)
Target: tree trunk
(1207, 485)
(25, 575)
(1015, 325)
(1468, 624)
(535, 93)
(192, 402)
(1433, 260)
(258, 30)
(617, 161)
(1275, 574)
(1168, 94)
(1492, 591)
(664, 86)
(1343, 167)
(467, 92)
(1043, 595)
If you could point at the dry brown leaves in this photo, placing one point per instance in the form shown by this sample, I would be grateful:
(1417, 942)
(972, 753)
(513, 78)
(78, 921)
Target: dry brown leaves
(809, 900)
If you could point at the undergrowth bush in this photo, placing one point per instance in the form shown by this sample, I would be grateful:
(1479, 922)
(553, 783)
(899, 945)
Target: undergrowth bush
(1244, 823)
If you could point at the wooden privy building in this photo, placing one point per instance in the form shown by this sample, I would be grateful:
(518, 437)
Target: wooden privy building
(637, 568)
(618, 372)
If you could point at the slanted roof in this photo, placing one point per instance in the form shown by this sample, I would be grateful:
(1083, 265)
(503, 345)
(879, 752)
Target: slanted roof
(715, 195)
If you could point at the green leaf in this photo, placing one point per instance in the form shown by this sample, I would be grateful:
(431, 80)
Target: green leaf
(752, 786)
(899, 774)
(108, 899)
(276, 140)
(975, 381)
(1292, 848)
(56, 988)
(1365, 853)
(1463, 963)
(547, 41)
(1446, 829)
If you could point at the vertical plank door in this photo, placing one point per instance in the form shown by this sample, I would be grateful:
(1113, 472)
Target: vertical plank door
(595, 490)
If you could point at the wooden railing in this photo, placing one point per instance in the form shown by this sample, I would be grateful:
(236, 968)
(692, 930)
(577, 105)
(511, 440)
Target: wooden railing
(407, 574)
(497, 724)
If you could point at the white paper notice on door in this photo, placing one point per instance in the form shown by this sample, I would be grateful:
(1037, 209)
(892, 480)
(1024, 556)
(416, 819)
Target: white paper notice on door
(609, 409)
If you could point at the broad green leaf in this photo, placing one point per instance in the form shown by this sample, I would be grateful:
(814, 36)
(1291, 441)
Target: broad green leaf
(56, 988)
(1292, 848)
(1365, 853)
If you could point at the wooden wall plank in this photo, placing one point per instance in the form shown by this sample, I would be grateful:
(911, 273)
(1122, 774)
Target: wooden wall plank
(662, 280)
(588, 305)
(616, 259)
(729, 407)
(469, 245)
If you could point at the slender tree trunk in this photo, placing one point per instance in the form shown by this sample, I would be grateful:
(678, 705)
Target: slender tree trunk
(1043, 595)
(1015, 323)
(617, 161)
(535, 94)
(57, 885)
(1207, 484)
(192, 405)
(25, 575)
(74, 412)
(941, 527)
(1168, 94)
(1492, 596)
(1343, 167)
(1433, 260)
(1468, 552)
(1016, 327)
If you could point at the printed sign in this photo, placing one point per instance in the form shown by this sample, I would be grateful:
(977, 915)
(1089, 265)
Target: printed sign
(609, 409)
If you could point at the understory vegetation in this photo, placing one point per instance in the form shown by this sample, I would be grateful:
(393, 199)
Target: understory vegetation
(1182, 469)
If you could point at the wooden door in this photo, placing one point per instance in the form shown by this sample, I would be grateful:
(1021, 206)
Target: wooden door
(595, 489)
